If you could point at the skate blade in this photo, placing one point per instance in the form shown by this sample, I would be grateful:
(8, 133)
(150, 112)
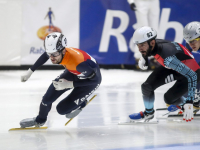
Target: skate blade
(171, 117)
(197, 108)
(135, 123)
(161, 109)
(29, 128)
(86, 105)
(175, 117)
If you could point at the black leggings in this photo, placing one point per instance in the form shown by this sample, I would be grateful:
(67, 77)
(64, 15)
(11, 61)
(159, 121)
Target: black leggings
(69, 103)
(161, 76)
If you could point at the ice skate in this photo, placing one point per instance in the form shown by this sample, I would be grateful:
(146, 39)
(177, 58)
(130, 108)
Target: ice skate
(173, 108)
(141, 116)
(176, 112)
(86, 102)
(196, 106)
(75, 112)
(29, 122)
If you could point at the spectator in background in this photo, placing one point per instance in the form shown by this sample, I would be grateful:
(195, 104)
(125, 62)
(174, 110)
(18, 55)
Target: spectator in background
(147, 14)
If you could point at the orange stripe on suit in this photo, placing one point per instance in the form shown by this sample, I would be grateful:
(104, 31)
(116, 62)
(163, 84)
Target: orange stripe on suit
(72, 58)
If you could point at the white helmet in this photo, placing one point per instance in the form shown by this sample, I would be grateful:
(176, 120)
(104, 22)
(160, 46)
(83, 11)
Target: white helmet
(191, 31)
(144, 34)
(54, 42)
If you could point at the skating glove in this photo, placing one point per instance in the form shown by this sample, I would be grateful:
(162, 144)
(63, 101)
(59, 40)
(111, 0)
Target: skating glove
(143, 63)
(62, 84)
(133, 7)
(26, 75)
(188, 113)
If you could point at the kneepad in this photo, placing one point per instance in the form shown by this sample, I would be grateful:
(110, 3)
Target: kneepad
(73, 113)
(147, 89)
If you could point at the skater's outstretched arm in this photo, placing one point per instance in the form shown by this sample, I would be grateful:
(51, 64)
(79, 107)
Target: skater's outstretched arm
(175, 64)
(41, 60)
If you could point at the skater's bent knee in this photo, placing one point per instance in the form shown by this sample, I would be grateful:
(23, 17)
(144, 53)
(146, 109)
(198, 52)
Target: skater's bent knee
(167, 99)
(147, 89)
(61, 110)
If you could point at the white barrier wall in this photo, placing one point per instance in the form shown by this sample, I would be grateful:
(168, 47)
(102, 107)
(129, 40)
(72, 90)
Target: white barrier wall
(23, 25)
(41, 17)
(10, 32)
(103, 28)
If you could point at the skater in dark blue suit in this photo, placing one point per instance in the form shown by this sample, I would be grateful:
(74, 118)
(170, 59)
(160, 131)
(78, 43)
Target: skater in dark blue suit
(82, 74)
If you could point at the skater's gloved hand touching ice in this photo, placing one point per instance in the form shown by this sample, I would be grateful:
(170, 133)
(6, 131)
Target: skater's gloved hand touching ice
(143, 63)
(62, 84)
(26, 75)
(188, 113)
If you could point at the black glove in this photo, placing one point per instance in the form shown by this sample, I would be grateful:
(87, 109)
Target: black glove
(133, 7)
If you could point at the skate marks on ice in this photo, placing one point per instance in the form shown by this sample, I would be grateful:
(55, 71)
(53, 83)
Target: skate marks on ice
(140, 121)
(137, 122)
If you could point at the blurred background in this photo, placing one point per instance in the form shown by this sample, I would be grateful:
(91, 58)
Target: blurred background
(103, 28)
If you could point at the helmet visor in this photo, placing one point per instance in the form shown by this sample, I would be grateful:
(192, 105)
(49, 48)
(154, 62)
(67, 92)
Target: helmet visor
(193, 41)
(54, 54)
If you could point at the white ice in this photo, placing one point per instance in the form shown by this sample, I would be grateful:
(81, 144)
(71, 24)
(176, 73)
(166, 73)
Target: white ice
(96, 128)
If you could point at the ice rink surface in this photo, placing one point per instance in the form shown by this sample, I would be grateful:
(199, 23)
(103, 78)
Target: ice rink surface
(96, 127)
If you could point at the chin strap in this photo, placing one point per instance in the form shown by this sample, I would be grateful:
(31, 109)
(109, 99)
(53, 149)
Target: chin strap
(62, 58)
(150, 47)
